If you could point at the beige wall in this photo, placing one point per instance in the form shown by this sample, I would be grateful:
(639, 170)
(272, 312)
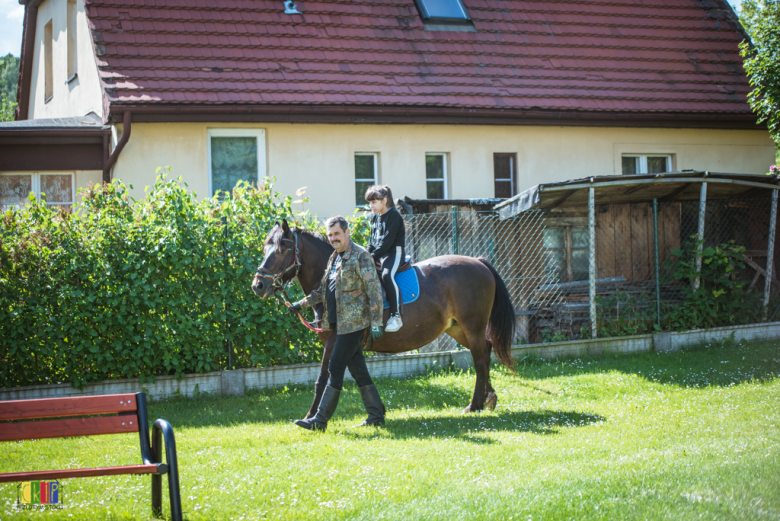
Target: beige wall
(322, 156)
(82, 95)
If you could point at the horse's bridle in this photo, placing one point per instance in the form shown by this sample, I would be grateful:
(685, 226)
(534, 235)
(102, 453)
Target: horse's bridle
(277, 282)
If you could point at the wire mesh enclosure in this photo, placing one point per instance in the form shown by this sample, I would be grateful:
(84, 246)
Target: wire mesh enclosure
(645, 260)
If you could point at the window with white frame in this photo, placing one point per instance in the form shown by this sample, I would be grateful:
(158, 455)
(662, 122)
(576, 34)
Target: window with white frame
(235, 155)
(436, 176)
(366, 175)
(56, 189)
(646, 164)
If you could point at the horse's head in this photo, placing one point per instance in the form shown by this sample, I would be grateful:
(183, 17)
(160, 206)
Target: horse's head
(279, 260)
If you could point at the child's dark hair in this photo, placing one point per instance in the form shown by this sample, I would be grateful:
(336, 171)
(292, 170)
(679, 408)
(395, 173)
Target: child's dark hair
(379, 192)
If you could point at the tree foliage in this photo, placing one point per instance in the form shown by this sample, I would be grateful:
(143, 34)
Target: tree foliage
(122, 288)
(761, 19)
(9, 73)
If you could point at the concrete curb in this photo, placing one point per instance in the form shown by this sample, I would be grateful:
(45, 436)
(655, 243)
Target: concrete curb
(235, 383)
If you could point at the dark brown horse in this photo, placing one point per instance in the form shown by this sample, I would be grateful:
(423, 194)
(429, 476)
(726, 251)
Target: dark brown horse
(461, 296)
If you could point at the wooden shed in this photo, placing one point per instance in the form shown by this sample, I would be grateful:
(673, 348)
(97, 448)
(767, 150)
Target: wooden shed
(565, 262)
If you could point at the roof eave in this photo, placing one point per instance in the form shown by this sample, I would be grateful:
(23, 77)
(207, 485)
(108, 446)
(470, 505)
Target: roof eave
(154, 112)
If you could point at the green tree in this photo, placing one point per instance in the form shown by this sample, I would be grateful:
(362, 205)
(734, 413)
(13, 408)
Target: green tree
(761, 19)
(6, 109)
(748, 15)
(9, 74)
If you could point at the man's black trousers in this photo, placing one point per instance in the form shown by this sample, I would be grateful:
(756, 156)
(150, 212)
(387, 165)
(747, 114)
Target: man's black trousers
(348, 354)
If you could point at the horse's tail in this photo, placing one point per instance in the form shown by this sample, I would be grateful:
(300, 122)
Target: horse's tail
(502, 324)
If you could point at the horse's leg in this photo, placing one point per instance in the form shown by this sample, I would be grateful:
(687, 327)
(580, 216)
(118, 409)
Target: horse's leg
(491, 399)
(489, 396)
(477, 344)
(322, 378)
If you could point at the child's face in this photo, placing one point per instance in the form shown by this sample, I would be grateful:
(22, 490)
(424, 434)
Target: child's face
(378, 205)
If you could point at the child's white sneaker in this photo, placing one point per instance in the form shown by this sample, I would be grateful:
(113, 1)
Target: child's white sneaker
(394, 323)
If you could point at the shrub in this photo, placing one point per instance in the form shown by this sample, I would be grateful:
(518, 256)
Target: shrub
(719, 299)
(121, 288)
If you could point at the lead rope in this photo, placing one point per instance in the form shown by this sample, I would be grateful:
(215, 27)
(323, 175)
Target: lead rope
(286, 301)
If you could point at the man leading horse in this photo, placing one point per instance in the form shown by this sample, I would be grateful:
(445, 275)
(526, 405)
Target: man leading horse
(352, 300)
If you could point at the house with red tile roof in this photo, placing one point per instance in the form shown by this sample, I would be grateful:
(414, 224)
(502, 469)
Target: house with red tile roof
(452, 99)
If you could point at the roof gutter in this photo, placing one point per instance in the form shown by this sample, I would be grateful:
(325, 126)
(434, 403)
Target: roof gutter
(26, 62)
(126, 128)
(160, 112)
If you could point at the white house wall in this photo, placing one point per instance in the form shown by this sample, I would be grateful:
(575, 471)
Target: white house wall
(321, 157)
(83, 94)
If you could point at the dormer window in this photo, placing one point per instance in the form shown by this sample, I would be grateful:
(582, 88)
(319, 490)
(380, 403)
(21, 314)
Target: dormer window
(443, 11)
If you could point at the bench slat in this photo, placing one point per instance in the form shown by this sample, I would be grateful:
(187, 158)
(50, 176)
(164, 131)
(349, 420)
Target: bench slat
(72, 406)
(33, 430)
(77, 473)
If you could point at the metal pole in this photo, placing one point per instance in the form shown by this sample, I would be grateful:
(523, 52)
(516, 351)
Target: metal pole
(770, 252)
(700, 235)
(657, 268)
(454, 230)
(224, 291)
(592, 259)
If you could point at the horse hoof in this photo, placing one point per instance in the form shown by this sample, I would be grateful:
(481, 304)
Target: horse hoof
(471, 409)
(491, 401)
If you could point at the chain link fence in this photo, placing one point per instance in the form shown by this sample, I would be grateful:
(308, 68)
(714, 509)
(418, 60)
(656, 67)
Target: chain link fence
(543, 257)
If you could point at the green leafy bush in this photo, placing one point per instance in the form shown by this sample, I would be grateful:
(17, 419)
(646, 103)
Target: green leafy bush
(719, 299)
(121, 288)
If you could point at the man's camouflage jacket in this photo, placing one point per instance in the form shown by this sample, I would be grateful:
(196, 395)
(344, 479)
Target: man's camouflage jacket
(358, 293)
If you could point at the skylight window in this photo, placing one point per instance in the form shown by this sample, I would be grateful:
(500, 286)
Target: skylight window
(443, 11)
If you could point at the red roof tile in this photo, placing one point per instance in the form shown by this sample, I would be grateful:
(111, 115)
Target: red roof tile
(669, 56)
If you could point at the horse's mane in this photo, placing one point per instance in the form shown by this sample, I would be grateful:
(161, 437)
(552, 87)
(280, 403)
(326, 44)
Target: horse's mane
(276, 235)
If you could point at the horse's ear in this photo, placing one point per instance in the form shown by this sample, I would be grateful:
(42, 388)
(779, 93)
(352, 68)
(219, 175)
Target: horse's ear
(285, 227)
(276, 224)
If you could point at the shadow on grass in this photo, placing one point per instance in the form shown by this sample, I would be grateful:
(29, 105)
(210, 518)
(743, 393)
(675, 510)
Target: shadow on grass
(474, 427)
(718, 364)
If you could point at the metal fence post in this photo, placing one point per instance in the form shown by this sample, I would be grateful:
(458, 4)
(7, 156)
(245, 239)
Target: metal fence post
(657, 269)
(770, 253)
(455, 230)
(226, 236)
(700, 235)
(592, 259)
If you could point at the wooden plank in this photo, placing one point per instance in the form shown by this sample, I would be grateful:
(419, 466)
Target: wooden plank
(563, 221)
(33, 430)
(760, 270)
(76, 406)
(641, 253)
(623, 241)
(605, 242)
(670, 215)
(14, 477)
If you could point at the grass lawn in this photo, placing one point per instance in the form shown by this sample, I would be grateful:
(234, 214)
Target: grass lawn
(655, 436)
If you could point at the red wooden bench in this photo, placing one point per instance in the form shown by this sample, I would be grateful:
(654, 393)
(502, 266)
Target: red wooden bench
(107, 414)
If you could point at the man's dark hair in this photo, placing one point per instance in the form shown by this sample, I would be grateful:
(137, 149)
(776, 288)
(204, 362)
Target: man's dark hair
(337, 220)
(379, 192)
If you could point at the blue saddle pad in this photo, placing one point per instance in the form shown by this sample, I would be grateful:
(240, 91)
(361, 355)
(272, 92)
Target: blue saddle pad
(409, 285)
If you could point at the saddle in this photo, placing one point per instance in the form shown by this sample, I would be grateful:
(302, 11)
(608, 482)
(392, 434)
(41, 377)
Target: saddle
(405, 265)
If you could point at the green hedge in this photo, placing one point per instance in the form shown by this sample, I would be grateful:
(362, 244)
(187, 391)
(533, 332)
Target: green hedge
(121, 288)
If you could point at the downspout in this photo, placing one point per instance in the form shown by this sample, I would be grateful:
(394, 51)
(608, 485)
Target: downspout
(119, 146)
(26, 60)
